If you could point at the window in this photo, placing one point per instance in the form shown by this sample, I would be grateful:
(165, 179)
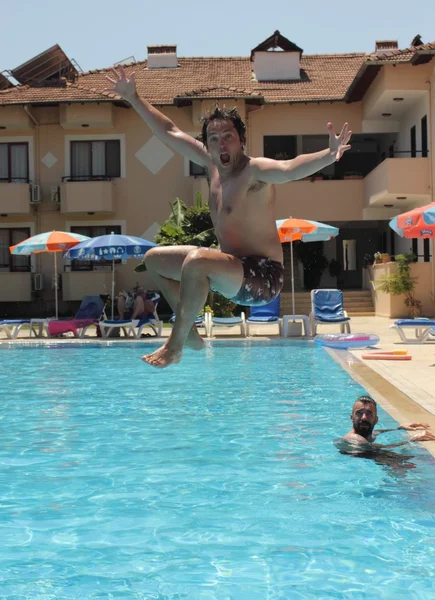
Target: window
(95, 160)
(196, 170)
(413, 142)
(426, 250)
(14, 162)
(424, 147)
(280, 147)
(93, 231)
(9, 262)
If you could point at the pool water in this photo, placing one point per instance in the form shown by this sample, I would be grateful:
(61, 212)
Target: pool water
(214, 479)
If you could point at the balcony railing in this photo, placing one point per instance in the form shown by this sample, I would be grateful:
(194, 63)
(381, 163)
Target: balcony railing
(96, 195)
(15, 198)
(356, 169)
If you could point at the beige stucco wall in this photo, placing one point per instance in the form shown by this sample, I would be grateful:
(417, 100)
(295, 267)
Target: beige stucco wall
(390, 306)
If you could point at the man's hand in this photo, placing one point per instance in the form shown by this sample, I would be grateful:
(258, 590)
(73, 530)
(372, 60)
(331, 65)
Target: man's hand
(414, 426)
(424, 436)
(122, 85)
(338, 144)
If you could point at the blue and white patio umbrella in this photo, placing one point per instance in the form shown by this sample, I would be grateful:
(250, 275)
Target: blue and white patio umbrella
(110, 247)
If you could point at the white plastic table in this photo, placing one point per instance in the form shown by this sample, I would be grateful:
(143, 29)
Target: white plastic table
(305, 324)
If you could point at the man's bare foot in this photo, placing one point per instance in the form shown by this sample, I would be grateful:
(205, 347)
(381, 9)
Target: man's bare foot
(163, 357)
(194, 340)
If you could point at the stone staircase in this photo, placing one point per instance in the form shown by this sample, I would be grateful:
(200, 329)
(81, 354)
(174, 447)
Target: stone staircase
(357, 303)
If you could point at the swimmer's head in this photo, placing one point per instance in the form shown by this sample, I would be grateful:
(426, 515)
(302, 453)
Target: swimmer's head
(223, 133)
(364, 415)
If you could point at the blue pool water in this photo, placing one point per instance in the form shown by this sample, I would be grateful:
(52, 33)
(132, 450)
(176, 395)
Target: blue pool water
(214, 479)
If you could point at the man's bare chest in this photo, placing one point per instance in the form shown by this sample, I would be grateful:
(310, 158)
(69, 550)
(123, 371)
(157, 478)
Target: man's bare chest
(229, 196)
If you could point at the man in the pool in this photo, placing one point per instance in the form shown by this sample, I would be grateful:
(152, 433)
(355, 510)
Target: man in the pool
(362, 437)
(248, 267)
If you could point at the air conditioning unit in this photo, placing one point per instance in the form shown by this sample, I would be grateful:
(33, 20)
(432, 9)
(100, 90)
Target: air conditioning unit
(55, 193)
(38, 282)
(35, 194)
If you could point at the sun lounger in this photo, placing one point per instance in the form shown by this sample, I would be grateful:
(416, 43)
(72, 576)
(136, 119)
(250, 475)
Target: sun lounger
(90, 312)
(327, 309)
(420, 328)
(12, 327)
(227, 322)
(134, 327)
(268, 314)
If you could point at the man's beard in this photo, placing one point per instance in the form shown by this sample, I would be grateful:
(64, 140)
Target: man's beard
(364, 429)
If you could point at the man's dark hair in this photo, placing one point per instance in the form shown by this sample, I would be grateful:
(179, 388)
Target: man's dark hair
(367, 400)
(223, 114)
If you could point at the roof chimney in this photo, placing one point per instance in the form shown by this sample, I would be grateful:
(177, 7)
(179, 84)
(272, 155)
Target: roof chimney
(162, 57)
(386, 46)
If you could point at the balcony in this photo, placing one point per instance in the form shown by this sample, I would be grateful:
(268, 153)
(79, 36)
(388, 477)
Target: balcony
(14, 198)
(394, 92)
(77, 284)
(16, 287)
(399, 182)
(88, 196)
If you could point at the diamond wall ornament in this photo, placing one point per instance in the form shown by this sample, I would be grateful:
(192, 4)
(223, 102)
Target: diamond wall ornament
(154, 155)
(49, 160)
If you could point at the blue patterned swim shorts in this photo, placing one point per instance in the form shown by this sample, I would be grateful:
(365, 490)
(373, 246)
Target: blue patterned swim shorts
(263, 279)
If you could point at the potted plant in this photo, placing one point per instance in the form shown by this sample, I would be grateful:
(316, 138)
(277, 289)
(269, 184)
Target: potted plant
(378, 257)
(385, 257)
(400, 282)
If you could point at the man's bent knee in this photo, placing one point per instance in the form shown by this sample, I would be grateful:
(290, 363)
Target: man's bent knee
(197, 261)
(153, 256)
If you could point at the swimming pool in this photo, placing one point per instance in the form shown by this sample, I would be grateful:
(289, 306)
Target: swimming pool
(214, 479)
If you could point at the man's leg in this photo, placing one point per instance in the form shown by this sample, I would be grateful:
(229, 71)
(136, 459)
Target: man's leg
(164, 264)
(201, 269)
(138, 307)
(121, 307)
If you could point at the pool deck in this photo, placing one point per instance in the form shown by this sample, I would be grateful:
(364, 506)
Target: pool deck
(406, 389)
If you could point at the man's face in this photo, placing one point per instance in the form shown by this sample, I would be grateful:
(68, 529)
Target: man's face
(223, 143)
(364, 418)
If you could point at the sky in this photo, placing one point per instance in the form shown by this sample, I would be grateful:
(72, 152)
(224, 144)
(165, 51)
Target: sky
(99, 33)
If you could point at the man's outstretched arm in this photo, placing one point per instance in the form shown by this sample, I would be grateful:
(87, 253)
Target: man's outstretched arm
(160, 125)
(410, 427)
(282, 171)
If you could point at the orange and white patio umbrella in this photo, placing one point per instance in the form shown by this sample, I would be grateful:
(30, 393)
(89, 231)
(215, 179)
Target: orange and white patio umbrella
(51, 241)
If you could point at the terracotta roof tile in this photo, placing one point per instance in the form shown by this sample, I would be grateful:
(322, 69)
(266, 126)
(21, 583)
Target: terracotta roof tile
(324, 77)
(68, 92)
(404, 55)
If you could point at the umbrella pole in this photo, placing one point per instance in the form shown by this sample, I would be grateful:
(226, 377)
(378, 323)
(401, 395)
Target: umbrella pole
(55, 285)
(113, 288)
(293, 280)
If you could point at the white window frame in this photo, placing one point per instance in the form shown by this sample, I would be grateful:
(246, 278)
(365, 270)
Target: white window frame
(26, 139)
(95, 138)
(21, 225)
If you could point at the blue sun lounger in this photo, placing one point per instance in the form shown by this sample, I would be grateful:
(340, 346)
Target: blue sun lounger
(267, 314)
(327, 309)
(421, 328)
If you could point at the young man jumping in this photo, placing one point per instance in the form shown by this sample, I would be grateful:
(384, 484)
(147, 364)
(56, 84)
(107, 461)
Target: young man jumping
(248, 267)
